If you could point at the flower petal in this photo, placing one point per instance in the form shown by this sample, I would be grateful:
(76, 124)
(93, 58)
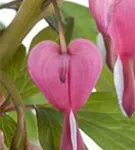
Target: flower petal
(71, 137)
(101, 11)
(80, 69)
(73, 130)
(125, 84)
(122, 27)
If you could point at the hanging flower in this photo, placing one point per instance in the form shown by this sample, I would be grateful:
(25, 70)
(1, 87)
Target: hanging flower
(66, 79)
(116, 19)
(122, 32)
(101, 13)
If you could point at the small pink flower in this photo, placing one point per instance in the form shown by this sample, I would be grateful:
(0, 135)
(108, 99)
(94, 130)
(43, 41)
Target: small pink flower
(66, 79)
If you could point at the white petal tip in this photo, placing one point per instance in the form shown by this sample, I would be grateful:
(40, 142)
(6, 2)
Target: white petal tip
(101, 46)
(73, 130)
(119, 82)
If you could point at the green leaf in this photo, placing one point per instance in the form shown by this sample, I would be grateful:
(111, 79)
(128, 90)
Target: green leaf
(14, 65)
(8, 126)
(84, 24)
(69, 28)
(100, 118)
(102, 102)
(49, 127)
(31, 125)
(68, 25)
(36, 99)
(2, 27)
(17, 70)
(52, 21)
(46, 34)
(105, 82)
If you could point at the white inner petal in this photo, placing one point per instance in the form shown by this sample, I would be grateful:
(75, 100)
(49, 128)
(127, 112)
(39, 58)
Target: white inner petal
(73, 130)
(101, 46)
(119, 82)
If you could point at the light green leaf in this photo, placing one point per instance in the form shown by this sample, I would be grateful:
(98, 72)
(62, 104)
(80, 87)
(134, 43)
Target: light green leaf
(84, 25)
(36, 99)
(46, 34)
(105, 82)
(8, 126)
(31, 125)
(100, 118)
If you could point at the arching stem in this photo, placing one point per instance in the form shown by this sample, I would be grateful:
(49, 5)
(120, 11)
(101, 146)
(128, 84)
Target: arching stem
(60, 27)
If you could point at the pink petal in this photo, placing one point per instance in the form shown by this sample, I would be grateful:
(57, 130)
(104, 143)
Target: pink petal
(122, 32)
(66, 80)
(70, 141)
(122, 27)
(125, 84)
(83, 66)
(111, 56)
(44, 67)
(101, 10)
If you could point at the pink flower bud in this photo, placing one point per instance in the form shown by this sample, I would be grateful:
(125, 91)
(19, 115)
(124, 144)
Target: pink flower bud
(66, 80)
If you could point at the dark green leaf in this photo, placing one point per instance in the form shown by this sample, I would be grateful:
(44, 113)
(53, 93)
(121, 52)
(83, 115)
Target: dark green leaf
(52, 21)
(49, 127)
(69, 28)
(17, 70)
(14, 65)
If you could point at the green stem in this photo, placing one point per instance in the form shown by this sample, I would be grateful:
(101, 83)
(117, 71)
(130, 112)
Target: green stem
(60, 27)
(17, 101)
(26, 18)
(29, 13)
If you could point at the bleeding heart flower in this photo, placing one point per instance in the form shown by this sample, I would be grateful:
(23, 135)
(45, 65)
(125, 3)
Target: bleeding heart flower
(101, 11)
(122, 32)
(113, 18)
(66, 79)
